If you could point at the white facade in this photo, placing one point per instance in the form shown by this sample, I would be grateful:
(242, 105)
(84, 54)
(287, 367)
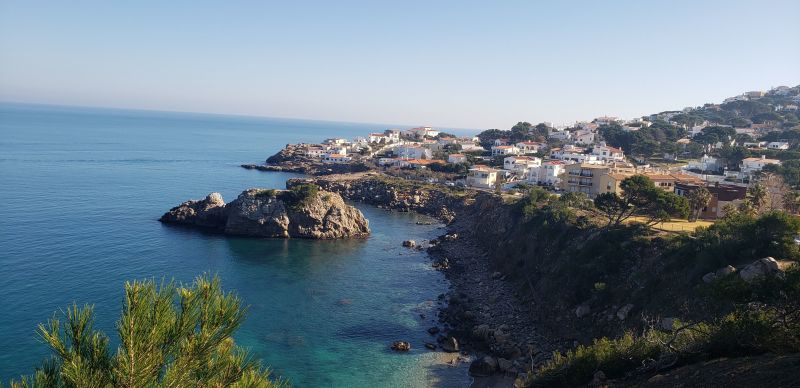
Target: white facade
(706, 163)
(562, 135)
(547, 174)
(778, 145)
(413, 152)
(503, 150)
(482, 176)
(585, 137)
(421, 132)
(530, 147)
(608, 154)
(315, 152)
(520, 165)
(336, 158)
(751, 165)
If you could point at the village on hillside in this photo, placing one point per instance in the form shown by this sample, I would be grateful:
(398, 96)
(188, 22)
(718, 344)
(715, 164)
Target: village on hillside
(751, 139)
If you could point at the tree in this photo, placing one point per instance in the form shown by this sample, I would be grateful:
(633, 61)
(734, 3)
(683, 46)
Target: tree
(613, 207)
(698, 200)
(170, 336)
(641, 196)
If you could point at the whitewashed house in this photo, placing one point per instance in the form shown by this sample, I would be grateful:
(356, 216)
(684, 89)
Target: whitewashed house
(547, 174)
(336, 158)
(314, 151)
(778, 145)
(607, 153)
(706, 163)
(482, 176)
(503, 150)
(752, 165)
(531, 147)
(520, 165)
(413, 152)
(559, 134)
(585, 137)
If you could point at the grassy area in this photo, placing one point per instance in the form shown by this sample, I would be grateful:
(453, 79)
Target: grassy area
(675, 225)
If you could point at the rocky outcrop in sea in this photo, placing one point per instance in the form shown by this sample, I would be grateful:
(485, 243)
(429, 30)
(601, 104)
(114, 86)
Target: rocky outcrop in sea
(303, 212)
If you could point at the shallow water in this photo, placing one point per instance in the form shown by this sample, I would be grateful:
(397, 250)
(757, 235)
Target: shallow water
(82, 190)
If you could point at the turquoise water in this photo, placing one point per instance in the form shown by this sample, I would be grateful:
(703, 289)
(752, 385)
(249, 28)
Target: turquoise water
(82, 189)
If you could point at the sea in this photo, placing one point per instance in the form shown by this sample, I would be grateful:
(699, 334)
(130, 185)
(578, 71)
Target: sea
(81, 190)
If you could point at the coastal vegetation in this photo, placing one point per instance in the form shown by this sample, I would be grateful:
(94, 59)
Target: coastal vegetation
(170, 335)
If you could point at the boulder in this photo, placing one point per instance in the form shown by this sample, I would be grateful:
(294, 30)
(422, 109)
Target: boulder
(274, 213)
(400, 346)
(208, 213)
(409, 243)
(430, 346)
(482, 367)
(761, 268)
(718, 274)
(450, 344)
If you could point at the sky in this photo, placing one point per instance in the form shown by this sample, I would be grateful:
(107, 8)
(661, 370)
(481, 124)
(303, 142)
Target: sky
(464, 64)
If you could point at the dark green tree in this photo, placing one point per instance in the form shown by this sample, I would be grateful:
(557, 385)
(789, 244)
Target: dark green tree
(169, 335)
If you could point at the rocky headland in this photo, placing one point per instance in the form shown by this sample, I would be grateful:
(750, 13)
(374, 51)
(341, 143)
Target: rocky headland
(292, 158)
(302, 212)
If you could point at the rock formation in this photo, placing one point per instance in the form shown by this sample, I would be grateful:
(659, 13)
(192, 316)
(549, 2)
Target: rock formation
(303, 212)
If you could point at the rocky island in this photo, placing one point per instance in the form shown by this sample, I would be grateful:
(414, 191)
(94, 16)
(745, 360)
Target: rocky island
(304, 211)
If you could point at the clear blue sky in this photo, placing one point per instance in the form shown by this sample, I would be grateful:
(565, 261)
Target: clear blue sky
(470, 64)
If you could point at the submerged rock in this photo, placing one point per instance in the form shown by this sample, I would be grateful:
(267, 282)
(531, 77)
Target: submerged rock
(401, 346)
(274, 213)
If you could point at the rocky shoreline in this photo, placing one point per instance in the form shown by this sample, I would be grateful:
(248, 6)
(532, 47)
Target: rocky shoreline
(481, 314)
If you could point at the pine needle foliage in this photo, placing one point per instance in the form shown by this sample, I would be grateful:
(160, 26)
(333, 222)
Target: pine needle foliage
(169, 336)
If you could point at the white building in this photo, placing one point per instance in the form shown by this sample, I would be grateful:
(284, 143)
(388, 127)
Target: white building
(456, 158)
(335, 149)
(605, 120)
(608, 153)
(520, 165)
(547, 174)
(503, 150)
(752, 165)
(574, 154)
(336, 158)
(778, 145)
(422, 132)
(377, 138)
(559, 134)
(413, 152)
(314, 151)
(585, 137)
(531, 147)
(706, 163)
(482, 176)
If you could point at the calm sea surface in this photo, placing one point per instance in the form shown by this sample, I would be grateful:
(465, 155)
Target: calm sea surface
(81, 190)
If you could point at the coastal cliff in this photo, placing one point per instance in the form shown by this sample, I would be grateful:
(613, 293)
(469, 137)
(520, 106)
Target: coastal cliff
(301, 212)
(534, 273)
